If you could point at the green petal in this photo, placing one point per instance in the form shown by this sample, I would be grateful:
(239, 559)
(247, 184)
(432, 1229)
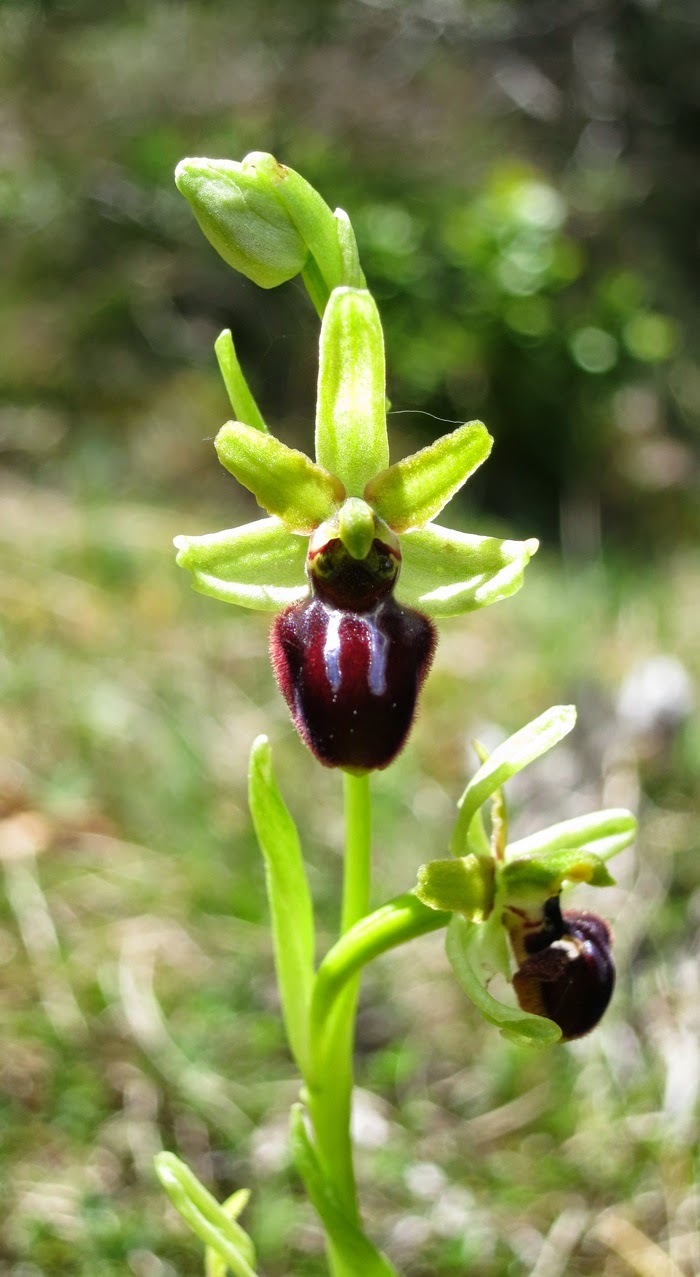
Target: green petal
(239, 393)
(415, 490)
(240, 213)
(462, 885)
(543, 876)
(467, 949)
(285, 482)
(259, 565)
(351, 438)
(446, 573)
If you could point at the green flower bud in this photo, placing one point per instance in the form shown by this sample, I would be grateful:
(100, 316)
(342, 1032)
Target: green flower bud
(237, 207)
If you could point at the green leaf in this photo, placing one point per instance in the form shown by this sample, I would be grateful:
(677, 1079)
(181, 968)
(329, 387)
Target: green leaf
(291, 908)
(207, 1219)
(259, 565)
(351, 438)
(214, 1265)
(285, 482)
(308, 212)
(445, 573)
(238, 209)
(466, 944)
(242, 401)
(542, 876)
(462, 885)
(354, 1252)
(415, 490)
(608, 832)
(506, 760)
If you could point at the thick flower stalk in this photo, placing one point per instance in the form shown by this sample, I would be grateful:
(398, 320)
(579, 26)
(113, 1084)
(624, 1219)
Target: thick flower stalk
(350, 556)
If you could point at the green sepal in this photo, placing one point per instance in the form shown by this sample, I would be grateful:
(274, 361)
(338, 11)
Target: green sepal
(238, 208)
(237, 388)
(353, 1251)
(541, 877)
(608, 832)
(258, 565)
(351, 438)
(446, 573)
(308, 212)
(413, 491)
(507, 759)
(285, 482)
(469, 948)
(207, 1219)
(291, 908)
(460, 885)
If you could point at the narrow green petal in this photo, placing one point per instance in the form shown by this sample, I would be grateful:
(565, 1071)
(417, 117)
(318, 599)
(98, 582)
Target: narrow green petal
(259, 565)
(237, 388)
(415, 490)
(445, 573)
(466, 944)
(351, 438)
(284, 481)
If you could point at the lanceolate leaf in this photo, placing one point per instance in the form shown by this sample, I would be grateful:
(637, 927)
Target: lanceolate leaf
(351, 438)
(285, 482)
(415, 490)
(446, 573)
(259, 565)
(288, 893)
(466, 943)
(205, 1216)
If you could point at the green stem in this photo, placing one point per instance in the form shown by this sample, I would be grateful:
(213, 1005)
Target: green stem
(331, 1081)
(402, 919)
(358, 849)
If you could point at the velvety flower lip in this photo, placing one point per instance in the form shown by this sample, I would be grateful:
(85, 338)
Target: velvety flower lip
(262, 565)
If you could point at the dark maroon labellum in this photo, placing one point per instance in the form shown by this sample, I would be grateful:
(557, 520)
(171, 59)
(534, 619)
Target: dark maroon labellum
(350, 660)
(570, 975)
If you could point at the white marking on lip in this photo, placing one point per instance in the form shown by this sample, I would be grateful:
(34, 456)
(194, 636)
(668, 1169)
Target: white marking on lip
(378, 649)
(331, 650)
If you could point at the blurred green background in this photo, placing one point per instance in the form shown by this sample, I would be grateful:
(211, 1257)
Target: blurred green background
(524, 183)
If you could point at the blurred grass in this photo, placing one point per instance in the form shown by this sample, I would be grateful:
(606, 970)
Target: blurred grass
(138, 1005)
(523, 179)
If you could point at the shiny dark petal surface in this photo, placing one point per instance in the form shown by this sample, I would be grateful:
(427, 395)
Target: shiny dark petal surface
(571, 981)
(351, 678)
